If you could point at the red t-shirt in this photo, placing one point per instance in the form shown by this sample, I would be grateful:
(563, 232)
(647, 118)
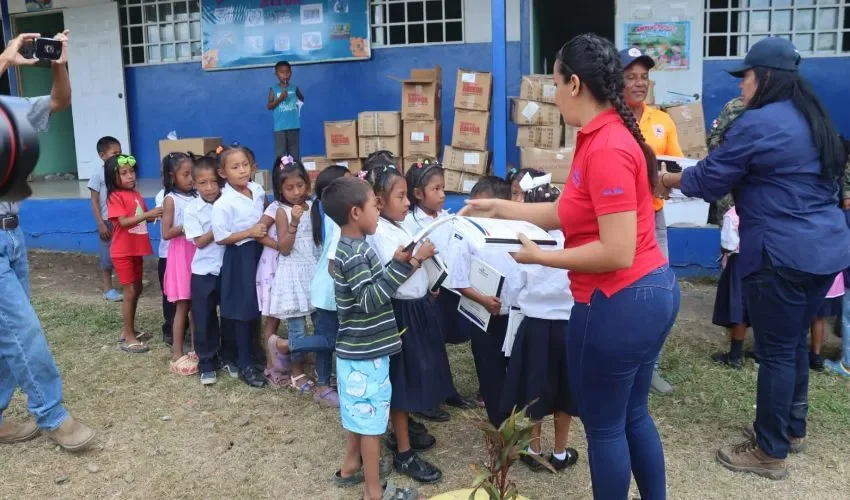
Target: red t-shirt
(608, 175)
(130, 241)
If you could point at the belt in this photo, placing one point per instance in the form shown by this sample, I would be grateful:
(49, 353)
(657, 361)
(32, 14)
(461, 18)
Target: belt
(9, 222)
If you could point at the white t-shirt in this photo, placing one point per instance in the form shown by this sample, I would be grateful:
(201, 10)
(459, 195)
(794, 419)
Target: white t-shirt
(544, 292)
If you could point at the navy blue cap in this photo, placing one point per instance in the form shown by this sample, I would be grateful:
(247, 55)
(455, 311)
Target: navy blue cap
(771, 52)
(633, 55)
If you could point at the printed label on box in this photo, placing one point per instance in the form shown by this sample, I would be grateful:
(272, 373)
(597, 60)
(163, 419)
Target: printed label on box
(530, 110)
(340, 139)
(342, 163)
(417, 136)
(468, 184)
(468, 78)
(549, 91)
(471, 158)
(309, 165)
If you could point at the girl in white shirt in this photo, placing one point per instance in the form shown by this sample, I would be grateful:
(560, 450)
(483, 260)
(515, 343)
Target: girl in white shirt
(235, 224)
(537, 369)
(420, 374)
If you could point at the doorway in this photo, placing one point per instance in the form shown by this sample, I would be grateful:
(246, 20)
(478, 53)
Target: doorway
(57, 151)
(554, 22)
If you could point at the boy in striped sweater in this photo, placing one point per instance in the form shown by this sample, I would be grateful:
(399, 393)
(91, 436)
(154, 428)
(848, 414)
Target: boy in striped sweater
(368, 334)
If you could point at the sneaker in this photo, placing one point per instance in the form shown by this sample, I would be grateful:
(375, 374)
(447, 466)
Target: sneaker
(231, 369)
(11, 432)
(747, 457)
(569, 461)
(659, 385)
(434, 415)
(816, 362)
(252, 377)
(113, 296)
(208, 378)
(418, 442)
(71, 435)
(417, 468)
(723, 358)
(837, 367)
(797, 444)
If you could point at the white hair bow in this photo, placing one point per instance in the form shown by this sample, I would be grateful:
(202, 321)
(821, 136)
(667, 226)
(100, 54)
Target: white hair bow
(528, 183)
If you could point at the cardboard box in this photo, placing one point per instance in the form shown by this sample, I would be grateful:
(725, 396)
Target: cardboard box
(368, 145)
(525, 112)
(470, 129)
(570, 136)
(434, 74)
(460, 182)
(341, 139)
(539, 137)
(463, 160)
(540, 88)
(263, 178)
(198, 145)
(690, 124)
(650, 95)
(473, 90)
(353, 165)
(409, 161)
(422, 138)
(379, 123)
(556, 162)
(421, 99)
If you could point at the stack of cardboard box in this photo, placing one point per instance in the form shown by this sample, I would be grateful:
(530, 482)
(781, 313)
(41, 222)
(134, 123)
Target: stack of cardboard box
(340, 147)
(379, 131)
(421, 97)
(540, 131)
(690, 125)
(467, 159)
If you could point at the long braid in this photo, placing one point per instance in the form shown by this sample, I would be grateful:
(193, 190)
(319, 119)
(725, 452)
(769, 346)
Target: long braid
(596, 61)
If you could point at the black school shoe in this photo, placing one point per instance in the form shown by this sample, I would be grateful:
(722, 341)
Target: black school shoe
(461, 402)
(723, 358)
(815, 362)
(418, 442)
(434, 415)
(417, 468)
(415, 427)
(252, 377)
(558, 465)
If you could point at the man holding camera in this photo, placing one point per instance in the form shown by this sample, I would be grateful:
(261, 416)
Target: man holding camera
(25, 359)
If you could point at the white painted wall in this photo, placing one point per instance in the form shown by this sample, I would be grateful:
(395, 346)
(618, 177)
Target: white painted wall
(476, 15)
(689, 81)
(19, 6)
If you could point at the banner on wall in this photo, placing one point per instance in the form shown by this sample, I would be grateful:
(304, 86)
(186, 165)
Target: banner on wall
(242, 33)
(668, 43)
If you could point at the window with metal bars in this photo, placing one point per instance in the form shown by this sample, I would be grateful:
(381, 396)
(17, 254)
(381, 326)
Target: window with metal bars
(415, 22)
(816, 27)
(160, 31)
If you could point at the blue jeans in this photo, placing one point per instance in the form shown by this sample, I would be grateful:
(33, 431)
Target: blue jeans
(781, 304)
(25, 359)
(611, 351)
(845, 329)
(300, 342)
(326, 325)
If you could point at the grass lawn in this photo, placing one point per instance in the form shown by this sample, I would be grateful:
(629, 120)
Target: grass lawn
(163, 436)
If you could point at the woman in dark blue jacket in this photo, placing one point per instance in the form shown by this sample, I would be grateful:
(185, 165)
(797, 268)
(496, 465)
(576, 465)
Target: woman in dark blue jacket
(782, 160)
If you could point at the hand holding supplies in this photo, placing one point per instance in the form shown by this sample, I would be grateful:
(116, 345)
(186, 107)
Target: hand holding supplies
(502, 234)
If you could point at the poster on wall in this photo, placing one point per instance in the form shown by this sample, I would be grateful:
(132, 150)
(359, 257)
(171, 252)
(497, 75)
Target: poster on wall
(668, 43)
(36, 5)
(243, 33)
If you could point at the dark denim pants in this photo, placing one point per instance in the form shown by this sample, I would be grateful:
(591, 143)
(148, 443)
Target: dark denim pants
(782, 303)
(611, 351)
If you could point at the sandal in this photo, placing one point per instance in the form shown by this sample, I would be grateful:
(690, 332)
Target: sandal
(184, 366)
(329, 398)
(275, 379)
(194, 357)
(359, 478)
(134, 348)
(280, 361)
(304, 387)
(140, 336)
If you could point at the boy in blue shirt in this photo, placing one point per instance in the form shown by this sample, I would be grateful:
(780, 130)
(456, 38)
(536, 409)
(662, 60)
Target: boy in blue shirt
(284, 100)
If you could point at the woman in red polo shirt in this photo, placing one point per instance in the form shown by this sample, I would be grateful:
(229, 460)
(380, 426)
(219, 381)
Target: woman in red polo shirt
(626, 296)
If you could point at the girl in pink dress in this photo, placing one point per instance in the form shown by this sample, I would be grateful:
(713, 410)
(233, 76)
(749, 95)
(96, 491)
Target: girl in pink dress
(265, 275)
(831, 308)
(179, 192)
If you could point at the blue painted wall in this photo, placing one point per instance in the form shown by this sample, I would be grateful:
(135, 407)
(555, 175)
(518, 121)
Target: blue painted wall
(827, 75)
(232, 104)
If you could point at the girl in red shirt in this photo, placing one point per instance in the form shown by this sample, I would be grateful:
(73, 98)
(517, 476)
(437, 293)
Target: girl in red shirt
(126, 210)
(626, 296)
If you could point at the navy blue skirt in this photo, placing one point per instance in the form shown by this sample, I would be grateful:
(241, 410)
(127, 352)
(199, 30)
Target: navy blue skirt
(455, 327)
(730, 303)
(830, 308)
(537, 370)
(420, 373)
(239, 281)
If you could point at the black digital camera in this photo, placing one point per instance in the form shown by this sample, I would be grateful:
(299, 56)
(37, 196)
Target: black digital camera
(18, 148)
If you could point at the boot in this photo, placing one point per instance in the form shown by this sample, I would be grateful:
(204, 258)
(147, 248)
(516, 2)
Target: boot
(798, 444)
(11, 432)
(71, 435)
(747, 457)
